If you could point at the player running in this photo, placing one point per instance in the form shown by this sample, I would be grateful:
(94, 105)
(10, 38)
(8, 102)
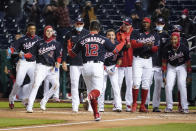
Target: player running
(27, 62)
(48, 59)
(94, 47)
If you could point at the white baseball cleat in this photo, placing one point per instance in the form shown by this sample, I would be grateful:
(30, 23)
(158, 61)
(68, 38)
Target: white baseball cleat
(128, 108)
(185, 111)
(117, 109)
(97, 117)
(168, 110)
(101, 109)
(42, 106)
(29, 111)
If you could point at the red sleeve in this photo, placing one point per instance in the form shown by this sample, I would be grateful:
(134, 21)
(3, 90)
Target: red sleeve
(12, 50)
(135, 44)
(69, 45)
(71, 53)
(164, 65)
(28, 55)
(59, 59)
(154, 49)
(119, 47)
(189, 69)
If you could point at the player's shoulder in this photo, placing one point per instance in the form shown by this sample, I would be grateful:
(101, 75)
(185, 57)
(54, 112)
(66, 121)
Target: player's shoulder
(85, 31)
(136, 31)
(183, 47)
(40, 42)
(37, 37)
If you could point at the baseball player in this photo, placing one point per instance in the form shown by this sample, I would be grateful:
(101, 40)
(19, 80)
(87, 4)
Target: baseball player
(94, 47)
(142, 62)
(26, 64)
(125, 69)
(157, 63)
(48, 59)
(75, 63)
(111, 69)
(175, 65)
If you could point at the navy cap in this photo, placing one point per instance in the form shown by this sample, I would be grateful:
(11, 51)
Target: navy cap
(160, 20)
(176, 28)
(127, 21)
(79, 20)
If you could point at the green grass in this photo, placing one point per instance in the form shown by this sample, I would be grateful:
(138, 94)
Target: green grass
(13, 122)
(162, 127)
(69, 105)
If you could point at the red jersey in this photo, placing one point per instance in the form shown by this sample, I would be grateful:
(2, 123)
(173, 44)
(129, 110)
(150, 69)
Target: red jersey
(127, 52)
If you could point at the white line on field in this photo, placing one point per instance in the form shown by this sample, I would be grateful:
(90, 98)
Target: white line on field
(68, 124)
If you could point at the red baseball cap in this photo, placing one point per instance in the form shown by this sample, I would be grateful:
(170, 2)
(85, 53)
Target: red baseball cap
(185, 11)
(147, 20)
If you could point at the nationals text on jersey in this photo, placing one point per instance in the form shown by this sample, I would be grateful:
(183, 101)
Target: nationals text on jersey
(44, 50)
(173, 57)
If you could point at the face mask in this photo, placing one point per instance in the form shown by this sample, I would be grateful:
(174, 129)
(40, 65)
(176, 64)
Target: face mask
(159, 28)
(183, 16)
(79, 29)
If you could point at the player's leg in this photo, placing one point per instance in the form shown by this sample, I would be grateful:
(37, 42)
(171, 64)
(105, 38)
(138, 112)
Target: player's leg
(101, 98)
(116, 90)
(146, 82)
(129, 85)
(31, 74)
(41, 72)
(158, 82)
(121, 74)
(137, 77)
(20, 75)
(181, 81)
(170, 81)
(56, 93)
(75, 73)
(53, 78)
(97, 85)
(46, 86)
(86, 73)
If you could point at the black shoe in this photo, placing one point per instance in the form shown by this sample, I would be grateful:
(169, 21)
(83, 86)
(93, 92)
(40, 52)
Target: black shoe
(146, 105)
(156, 109)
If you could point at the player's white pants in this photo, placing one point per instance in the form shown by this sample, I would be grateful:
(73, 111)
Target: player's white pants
(180, 73)
(142, 72)
(158, 84)
(47, 87)
(75, 72)
(114, 82)
(127, 73)
(43, 72)
(93, 76)
(23, 67)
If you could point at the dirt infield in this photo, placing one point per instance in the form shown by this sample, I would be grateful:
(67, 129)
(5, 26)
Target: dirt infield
(84, 120)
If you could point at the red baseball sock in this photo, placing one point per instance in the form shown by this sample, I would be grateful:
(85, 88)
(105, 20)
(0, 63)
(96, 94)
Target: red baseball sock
(144, 94)
(135, 94)
(93, 95)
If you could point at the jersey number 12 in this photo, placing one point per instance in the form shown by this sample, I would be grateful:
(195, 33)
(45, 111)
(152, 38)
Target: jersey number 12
(92, 49)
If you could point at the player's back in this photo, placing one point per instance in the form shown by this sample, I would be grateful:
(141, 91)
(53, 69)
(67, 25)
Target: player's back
(94, 47)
